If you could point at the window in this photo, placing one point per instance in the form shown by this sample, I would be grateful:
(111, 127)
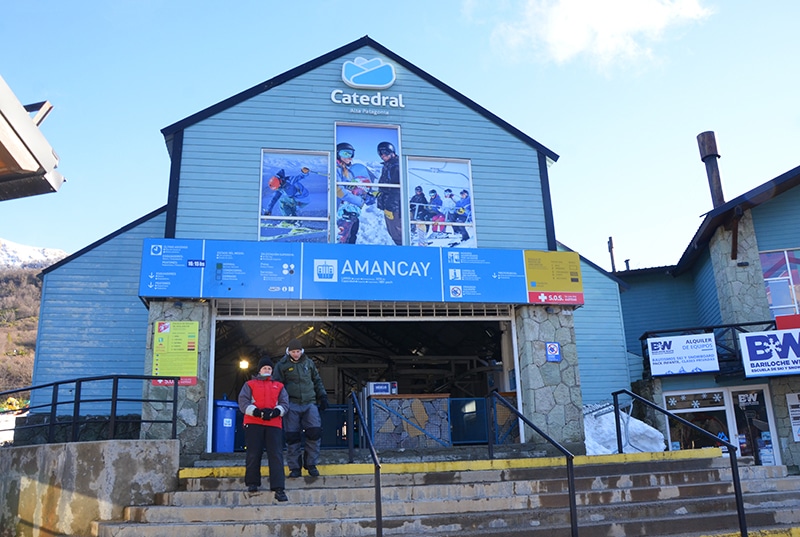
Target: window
(738, 415)
(781, 271)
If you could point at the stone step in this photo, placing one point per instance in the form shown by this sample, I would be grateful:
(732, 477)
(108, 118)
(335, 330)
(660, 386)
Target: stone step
(543, 482)
(620, 496)
(250, 507)
(546, 493)
(528, 522)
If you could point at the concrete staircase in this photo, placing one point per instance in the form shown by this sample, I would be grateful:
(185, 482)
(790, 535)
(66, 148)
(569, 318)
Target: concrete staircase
(685, 493)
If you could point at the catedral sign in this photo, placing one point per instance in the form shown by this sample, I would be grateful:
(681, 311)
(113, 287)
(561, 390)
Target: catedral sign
(770, 353)
(364, 74)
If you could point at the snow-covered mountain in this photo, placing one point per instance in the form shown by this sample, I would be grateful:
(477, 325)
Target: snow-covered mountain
(13, 255)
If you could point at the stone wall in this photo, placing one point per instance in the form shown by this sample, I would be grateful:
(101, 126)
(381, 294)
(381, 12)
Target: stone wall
(551, 391)
(740, 283)
(789, 448)
(60, 489)
(193, 404)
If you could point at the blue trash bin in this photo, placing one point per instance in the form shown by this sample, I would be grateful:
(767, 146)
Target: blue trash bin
(224, 425)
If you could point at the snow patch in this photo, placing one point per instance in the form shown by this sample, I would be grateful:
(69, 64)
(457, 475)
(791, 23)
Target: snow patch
(13, 255)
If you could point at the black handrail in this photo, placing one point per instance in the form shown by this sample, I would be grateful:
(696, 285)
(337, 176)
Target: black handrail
(737, 485)
(573, 507)
(75, 420)
(373, 453)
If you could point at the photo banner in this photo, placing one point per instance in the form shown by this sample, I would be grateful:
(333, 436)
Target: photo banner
(175, 268)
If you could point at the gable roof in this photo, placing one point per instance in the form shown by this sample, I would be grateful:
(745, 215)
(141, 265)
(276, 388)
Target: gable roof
(732, 210)
(171, 131)
(103, 240)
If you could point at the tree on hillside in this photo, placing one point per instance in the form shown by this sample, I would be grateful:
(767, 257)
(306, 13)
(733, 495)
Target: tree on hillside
(20, 293)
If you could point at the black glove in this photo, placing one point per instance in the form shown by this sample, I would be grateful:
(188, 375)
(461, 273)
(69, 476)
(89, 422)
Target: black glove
(274, 413)
(257, 413)
(323, 403)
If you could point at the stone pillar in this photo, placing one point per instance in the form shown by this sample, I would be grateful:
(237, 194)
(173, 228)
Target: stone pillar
(740, 283)
(551, 391)
(193, 401)
(789, 449)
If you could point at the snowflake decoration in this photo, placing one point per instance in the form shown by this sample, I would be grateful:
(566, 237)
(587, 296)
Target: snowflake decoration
(683, 397)
(672, 401)
(704, 395)
(717, 397)
(695, 404)
(774, 345)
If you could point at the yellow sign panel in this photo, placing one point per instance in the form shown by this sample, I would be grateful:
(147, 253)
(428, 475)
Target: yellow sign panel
(553, 277)
(175, 350)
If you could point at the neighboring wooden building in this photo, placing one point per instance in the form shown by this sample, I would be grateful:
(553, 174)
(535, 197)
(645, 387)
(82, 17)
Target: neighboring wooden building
(740, 272)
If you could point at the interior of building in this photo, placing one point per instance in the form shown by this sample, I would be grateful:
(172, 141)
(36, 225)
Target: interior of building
(462, 358)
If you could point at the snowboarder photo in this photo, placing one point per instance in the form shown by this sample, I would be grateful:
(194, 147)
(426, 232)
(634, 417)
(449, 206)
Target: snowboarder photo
(359, 220)
(350, 197)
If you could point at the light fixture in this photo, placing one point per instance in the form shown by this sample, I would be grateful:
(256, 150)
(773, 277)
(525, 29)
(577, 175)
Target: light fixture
(244, 364)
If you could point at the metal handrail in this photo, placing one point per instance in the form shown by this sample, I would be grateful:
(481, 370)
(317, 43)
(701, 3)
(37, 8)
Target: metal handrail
(737, 485)
(373, 453)
(75, 420)
(490, 418)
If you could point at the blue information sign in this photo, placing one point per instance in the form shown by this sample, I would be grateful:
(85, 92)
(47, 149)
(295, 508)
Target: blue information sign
(179, 268)
(237, 269)
(171, 268)
(484, 275)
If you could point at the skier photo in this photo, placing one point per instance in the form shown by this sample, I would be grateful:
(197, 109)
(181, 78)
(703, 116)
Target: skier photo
(294, 191)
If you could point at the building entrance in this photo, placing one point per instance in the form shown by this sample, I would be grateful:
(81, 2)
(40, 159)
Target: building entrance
(462, 359)
(456, 351)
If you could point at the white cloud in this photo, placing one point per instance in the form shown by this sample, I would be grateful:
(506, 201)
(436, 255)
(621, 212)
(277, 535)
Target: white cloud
(606, 31)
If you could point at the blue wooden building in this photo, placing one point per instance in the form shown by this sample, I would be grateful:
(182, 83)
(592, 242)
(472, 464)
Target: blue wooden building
(258, 196)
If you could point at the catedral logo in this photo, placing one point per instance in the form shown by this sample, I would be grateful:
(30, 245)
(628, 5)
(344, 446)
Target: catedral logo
(364, 74)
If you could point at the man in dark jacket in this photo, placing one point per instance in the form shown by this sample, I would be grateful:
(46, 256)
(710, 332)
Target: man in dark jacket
(389, 199)
(300, 376)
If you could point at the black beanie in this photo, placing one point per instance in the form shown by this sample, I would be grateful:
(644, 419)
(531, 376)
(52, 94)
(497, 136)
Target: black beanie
(265, 360)
(294, 345)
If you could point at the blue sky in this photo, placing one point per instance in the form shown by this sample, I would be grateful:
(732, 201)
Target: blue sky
(619, 89)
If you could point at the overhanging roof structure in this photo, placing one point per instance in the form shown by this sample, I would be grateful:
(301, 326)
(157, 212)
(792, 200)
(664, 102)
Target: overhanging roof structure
(27, 162)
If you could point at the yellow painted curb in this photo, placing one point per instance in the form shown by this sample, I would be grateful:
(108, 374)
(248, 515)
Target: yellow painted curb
(786, 532)
(462, 466)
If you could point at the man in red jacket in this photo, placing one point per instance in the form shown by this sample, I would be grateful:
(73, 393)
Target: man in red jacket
(264, 401)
